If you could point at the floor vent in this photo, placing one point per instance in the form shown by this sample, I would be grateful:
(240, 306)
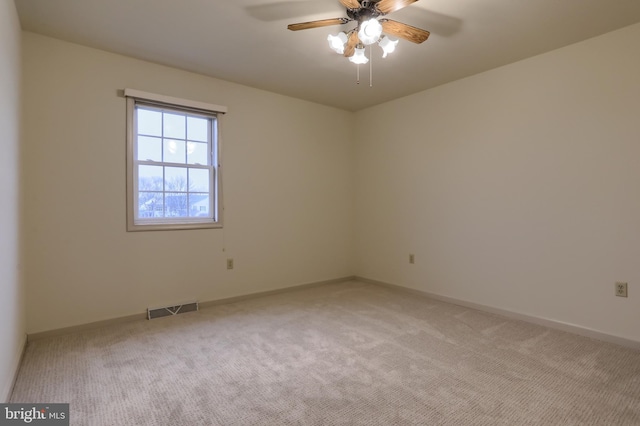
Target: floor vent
(171, 310)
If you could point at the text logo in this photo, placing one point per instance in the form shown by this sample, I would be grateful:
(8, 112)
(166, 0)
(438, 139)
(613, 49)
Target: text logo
(34, 414)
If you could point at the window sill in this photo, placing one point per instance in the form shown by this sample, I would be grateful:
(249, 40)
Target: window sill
(175, 226)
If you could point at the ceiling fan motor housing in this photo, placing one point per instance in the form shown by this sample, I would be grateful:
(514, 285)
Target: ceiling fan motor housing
(367, 11)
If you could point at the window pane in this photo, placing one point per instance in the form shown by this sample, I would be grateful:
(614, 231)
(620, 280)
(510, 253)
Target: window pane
(150, 205)
(175, 179)
(149, 149)
(197, 153)
(149, 178)
(197, 129)
(149, 122)
(175, 205)
(174, 151)
(174, 126)
(199, 205)
(172, 155)
(199, 180)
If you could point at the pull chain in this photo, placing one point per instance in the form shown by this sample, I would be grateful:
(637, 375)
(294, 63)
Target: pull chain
(370, 66)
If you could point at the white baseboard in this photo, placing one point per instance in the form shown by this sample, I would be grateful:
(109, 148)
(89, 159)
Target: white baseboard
(558, 325)
(202, 305)
(16, 368)
(82, 327)
(211, 303)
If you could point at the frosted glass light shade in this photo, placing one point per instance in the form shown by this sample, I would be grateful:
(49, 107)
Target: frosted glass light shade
(358, 57)
(337, 42)
(370, 31)
(388, 45)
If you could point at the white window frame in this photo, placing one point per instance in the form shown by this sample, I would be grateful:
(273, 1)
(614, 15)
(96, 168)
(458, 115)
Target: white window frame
(214, 112)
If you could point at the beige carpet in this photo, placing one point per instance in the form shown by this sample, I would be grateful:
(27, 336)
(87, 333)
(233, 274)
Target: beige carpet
(340, 354)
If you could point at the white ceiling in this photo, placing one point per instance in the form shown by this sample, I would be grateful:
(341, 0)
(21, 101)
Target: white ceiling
(247, 41)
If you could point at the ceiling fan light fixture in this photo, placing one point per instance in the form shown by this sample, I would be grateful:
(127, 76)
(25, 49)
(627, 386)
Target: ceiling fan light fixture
(337, 42)
(370, 31)
(358, 56)
(371, 22)
(388, 45)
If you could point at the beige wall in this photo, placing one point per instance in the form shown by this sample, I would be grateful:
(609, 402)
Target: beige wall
(516, 188)
(12, 308)
(82, 265)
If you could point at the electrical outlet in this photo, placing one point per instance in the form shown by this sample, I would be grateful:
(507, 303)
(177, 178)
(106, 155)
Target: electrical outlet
(229, 263)
(412, 259)
(621, 289)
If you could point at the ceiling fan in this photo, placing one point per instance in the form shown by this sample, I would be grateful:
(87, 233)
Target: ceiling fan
(369, 15)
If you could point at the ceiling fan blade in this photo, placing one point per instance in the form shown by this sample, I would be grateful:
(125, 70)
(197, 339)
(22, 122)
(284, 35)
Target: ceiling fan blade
(350, 48)
(407, 32)
(317, 24)
(388, 6)
(350, 4)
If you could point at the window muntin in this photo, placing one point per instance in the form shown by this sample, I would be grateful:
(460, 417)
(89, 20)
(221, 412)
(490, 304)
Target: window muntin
(173, 167)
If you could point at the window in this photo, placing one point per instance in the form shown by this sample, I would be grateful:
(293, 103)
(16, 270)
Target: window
(173, 163)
